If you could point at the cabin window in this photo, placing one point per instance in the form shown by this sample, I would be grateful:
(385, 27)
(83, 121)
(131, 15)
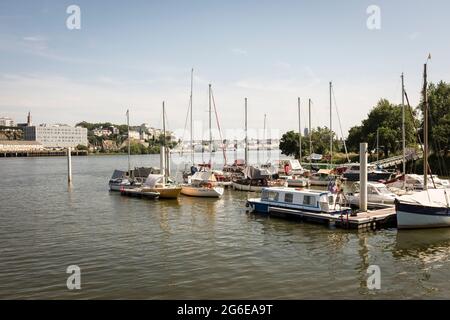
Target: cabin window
(270, 196)
(288, 197)
(309, 200)
(330, 200)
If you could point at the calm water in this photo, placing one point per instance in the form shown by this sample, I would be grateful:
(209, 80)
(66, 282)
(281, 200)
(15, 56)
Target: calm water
(191, 247)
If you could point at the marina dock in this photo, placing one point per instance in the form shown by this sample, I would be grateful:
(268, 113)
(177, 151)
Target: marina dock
(370, 220)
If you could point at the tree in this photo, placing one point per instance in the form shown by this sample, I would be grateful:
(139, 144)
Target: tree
(439, 117)
(387, 119)
(320, 137)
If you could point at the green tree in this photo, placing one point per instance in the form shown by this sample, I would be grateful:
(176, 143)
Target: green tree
(439, 117)
(387, 119)
(320, 137)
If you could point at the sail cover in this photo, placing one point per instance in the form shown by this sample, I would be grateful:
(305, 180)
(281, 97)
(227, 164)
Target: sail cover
(203, 176)
(257, 173)
(153, 179)
(429, 198)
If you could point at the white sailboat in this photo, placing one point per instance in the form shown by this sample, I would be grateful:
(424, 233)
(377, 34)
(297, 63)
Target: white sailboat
(429, 208)
(203, 183)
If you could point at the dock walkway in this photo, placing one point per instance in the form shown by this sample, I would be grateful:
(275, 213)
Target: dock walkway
(370, 220)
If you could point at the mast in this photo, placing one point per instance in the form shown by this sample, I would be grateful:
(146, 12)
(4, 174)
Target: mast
(246, 137)
(331, 129)
(129, 147)
(210, 127)
(299, 132)
(378, 143)
(192, 127)
(310, 136)
(164, 141)
(425, 129)
(403, 131)
(264, 134)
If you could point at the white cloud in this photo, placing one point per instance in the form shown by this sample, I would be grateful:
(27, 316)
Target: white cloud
(239, 51)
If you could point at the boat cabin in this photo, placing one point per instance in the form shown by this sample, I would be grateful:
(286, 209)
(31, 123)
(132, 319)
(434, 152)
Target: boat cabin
(311, 200)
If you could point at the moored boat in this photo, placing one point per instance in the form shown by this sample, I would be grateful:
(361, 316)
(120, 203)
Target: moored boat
(297, 202)
(202, 184)
(155, 183)
(425, 209)
(378, 196)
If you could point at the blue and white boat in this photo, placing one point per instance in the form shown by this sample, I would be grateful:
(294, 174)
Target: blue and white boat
(425, 209)
(297, 202)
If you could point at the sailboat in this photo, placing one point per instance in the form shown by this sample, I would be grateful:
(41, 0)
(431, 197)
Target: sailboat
(119, 178)
(158, 183)
(429, 208)
(203, 183)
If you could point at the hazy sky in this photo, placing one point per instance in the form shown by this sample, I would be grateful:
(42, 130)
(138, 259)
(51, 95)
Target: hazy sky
(134, 54)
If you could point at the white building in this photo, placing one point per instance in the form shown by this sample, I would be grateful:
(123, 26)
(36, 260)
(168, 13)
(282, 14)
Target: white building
(7, 122)
(57, 136)
(20, 146)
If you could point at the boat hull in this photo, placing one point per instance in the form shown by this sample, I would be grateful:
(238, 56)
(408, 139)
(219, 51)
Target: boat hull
(413, 216)
(166, 193)
(214, 192)
(137, 193)
(247, 187)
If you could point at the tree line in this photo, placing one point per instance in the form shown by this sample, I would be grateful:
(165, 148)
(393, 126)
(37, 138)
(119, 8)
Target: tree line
(385, 118)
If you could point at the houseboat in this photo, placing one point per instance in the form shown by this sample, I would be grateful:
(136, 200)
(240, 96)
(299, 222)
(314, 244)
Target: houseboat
(297, 202)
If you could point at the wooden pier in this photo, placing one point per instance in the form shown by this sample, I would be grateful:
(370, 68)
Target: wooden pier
(370, 220)
(41, 153)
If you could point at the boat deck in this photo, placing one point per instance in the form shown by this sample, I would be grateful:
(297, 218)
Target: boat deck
(370, 220)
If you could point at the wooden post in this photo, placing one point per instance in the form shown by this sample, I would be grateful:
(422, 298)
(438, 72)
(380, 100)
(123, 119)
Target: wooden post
(69, 165)
(363, 176)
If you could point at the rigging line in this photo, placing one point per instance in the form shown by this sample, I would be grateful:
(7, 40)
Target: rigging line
(185, 128)
(340, 125)
(218, 126)
(418, 138)
(437, 145)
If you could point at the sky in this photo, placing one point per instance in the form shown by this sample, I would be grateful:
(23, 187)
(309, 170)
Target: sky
(135, 54)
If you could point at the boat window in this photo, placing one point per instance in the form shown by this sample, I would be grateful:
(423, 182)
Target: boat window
(372, 190)
(309, 200)
(330, 199)
(270, 196)
(288, 197)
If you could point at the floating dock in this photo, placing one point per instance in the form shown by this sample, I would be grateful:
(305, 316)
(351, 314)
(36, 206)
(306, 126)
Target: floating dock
(370, 220)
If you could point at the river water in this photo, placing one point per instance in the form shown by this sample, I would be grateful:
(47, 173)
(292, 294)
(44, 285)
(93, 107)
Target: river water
(190, 248)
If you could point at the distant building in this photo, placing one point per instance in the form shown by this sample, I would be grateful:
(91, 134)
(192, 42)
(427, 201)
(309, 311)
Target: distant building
(135, 135)
(56, 136)
(7, 122)
(305, 132)
(101, 132)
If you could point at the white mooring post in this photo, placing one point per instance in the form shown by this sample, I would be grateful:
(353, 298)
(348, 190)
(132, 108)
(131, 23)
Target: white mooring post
(363, 176)
(69, 165)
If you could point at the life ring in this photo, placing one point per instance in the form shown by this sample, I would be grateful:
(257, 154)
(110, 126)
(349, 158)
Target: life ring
(209, 185)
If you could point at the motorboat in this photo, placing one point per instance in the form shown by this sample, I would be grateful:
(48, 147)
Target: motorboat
(378, 196)
(424, 209)
(351, 173)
